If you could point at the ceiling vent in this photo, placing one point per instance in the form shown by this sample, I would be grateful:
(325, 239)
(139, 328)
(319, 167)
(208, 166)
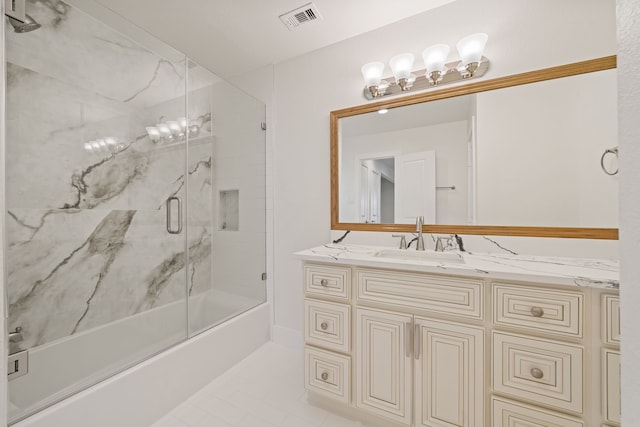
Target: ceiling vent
(302, 15)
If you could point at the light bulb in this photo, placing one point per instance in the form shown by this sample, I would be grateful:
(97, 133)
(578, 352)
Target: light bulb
(372, 73)
(435, 58)
(401, 65)
(471, 48)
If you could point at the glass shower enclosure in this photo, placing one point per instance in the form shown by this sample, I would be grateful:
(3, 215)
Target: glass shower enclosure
(135, 199)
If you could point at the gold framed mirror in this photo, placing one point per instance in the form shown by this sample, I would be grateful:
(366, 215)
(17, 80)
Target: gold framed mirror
(493, 190)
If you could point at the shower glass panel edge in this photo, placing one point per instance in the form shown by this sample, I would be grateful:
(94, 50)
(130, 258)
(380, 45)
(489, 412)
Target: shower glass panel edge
(96, 268)
(227, 235)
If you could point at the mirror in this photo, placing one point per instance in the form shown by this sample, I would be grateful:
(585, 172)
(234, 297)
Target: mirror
(518, 155)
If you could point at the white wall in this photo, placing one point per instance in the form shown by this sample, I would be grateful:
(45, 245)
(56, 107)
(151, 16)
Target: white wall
(629, 132)
(309, 87)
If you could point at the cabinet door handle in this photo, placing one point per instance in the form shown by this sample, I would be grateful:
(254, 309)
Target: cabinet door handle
(416, 341)
(537, 311)
(324, 376)
(537, 373)
(324, 326)
(407, 338)
(324, 282)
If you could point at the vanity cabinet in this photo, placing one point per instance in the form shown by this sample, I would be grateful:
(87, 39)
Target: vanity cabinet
(610, 359)
(384, 369)
(432, 350)
(327, 331)
(404, 359)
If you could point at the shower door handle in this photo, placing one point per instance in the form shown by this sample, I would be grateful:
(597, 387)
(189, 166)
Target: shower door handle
(170, 228)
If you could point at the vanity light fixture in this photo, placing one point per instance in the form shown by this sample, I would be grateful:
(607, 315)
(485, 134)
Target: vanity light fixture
(436, 72)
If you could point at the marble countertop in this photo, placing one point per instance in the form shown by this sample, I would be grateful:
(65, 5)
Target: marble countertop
(604, 274)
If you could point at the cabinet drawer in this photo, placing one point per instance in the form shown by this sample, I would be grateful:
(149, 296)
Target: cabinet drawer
(327, 281)
(327, 373)
(611, 384)
(611, 321)
(538, 370)
(544, 310)
(505, 413)
(327, 325)
(452, 296)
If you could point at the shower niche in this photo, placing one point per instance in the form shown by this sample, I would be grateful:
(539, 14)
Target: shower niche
(229, 211)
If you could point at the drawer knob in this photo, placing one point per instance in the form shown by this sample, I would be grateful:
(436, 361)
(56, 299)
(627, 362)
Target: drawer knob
(537, 311)
(537, 373)
(324, 376)
(324, 282)
(324, 326)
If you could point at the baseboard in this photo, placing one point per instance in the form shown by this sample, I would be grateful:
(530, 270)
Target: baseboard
(287, 337)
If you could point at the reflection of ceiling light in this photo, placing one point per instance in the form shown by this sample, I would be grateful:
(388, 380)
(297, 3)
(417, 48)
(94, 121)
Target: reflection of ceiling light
(383, 111)
(103, 146)
(436, 71)
(163, 129)
(154, 134)
(173, 130)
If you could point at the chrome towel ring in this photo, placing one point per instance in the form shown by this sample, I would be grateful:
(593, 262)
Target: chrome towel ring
(613, 150)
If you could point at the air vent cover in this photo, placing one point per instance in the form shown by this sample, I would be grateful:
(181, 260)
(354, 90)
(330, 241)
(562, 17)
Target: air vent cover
(302, 15)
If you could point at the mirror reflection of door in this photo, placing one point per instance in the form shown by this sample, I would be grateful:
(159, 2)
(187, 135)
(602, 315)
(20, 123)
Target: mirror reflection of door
(376, 186)
(415, 193)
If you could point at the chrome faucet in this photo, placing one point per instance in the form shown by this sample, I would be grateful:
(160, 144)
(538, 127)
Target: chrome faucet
(403, 240)
(439, 244)
(420, 242)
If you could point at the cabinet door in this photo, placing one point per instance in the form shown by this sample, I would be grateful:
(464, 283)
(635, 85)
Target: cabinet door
(449, 374)
(611, 381)
(383, 375)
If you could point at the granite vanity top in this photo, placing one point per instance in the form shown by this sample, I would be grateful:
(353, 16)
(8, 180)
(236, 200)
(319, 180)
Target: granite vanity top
(594, 273)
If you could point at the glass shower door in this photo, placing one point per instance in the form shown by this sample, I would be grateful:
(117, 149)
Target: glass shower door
(96, 190)
(226, 201)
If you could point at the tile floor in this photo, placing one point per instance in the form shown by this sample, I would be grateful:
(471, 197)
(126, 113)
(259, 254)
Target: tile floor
(264, 390)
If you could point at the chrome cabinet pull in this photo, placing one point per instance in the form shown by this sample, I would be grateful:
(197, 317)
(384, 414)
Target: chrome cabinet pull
(537, 311)
(170, 230)
(324, 326)
(537, 373)
(407, 338)
(324, 376)
(324, 282)
(416, 342)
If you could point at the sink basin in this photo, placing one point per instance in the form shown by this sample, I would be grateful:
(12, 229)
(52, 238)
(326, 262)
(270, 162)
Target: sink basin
(413, 255)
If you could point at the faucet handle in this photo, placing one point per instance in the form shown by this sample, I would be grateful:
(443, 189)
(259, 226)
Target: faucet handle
(403, 240)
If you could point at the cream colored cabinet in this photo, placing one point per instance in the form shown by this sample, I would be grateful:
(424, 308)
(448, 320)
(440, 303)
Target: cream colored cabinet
(506, 413)
(538, 370)
(449, 374)
(327, 331)
(610, 359)
(404, 359)
(436, 350)
(383, 374)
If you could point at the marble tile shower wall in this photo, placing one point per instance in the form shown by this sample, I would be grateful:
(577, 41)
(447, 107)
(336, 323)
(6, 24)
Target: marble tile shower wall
(87, 241)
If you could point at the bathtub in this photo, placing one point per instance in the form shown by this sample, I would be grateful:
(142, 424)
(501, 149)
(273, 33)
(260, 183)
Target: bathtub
(140, 395)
